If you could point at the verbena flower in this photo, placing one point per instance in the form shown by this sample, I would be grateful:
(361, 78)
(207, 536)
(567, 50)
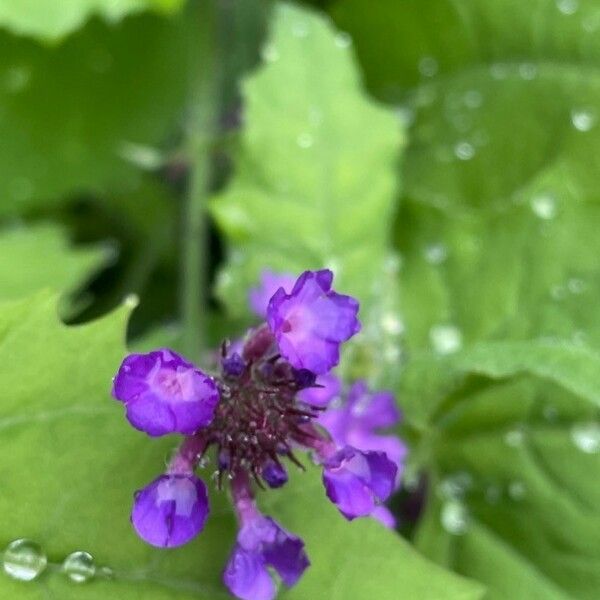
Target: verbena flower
(264, 401)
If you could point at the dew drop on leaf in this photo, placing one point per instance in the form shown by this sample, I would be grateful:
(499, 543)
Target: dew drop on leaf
(464, 151)
(392, 324)
(454, 517)
(514, 437)
(528, 71)
(24, 560)
(567, 7)
(343, 40)
(79, 567)
(269, 53)
(544, 206)
(305, 140)
(516, 490)
(428, 66)
(586, 436)
(583, 119)
(435, 254)
(17, 78)
(446, 338)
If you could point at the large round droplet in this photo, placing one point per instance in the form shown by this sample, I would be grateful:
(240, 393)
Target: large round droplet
(455, 517)
(79, 567)
(586, 436)
(24, 560)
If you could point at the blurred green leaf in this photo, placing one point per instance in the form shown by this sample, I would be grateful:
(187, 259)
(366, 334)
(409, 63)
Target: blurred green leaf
(512, 439)
(48, 20)
(314, 183)
(74, 463)
(69, 114)
(498, 224)
(40, 256)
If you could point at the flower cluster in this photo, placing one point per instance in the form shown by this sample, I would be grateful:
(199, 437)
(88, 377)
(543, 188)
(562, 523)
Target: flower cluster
(272, 393)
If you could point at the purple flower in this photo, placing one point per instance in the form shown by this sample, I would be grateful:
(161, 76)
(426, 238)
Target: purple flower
(311, 322)
(355, 423)
(329, 387)
(357, 481)
(171, 510)
(274, 474)
(263, 543)
(163, 393)
(270, 282)
(384, 515)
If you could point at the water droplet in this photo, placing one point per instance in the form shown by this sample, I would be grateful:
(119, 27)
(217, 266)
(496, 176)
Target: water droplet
(392, 353)
(516, 490)
(528, 71)
(583, 119)
(17, 78)
(550, 413)
(514, 437)
(392, 324)
(144, 157)
(305, 140)
(24, 560)
(392, 264)
(269, 53)
(473, 99)
(464, 151)
(435, 254)
(428, 66)
(567, 7)
(300, 29)
(499, 71)
(576, 285)
(445, 339)
(493, 493)
(455, 485)
(343, 40)
(79, 567)
(586, 436)
(544, 206)
(454, 517)
(131, 300)
(106, 573)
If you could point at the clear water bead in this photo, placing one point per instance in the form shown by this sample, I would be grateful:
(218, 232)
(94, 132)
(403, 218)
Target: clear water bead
(514, 437)
(79, 567)
(445, 339)
(454, 517)
(435, 254)
(586, 436)
(305, 140)
(516, 490)
(428, 66)
(567, 7)
(343, 40)
(269, 53)
(24, 560)
(583, 119)
(544, 206)
(464, 151)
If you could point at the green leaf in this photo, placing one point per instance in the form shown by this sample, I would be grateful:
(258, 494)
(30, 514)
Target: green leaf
(40, 256)
(511, 439)
(50, 21)
(498, 222)
(314, 183)
(69, 114)
(70, 463)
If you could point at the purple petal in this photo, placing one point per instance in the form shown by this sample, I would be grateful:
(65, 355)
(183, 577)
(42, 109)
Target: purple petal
(373, 409)
(278, 548)
(171, 510)
(355, 481)
(274, 474)
(246, 576)
(384, 516)
(270, 282)
(312, 321)
(322, 396)
(163, 393)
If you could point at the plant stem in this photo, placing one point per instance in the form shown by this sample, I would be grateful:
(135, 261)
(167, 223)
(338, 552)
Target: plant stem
(204, 99)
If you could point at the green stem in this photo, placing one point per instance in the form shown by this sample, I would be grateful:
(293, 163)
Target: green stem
(204, 99)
